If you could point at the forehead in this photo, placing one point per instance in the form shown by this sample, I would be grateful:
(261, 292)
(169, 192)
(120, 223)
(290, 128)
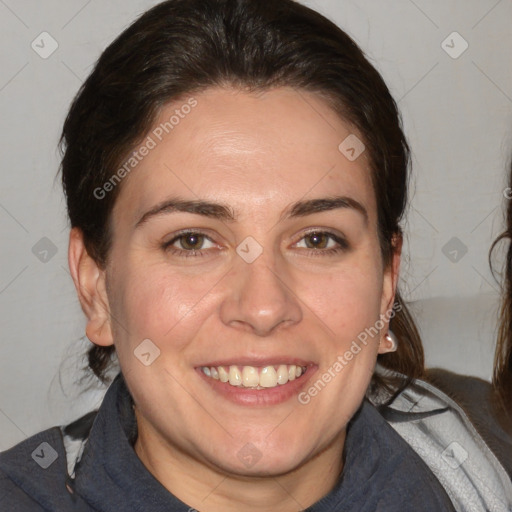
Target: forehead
(249, 150)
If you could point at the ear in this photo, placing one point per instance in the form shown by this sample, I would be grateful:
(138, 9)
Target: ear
(90, 285)
(390, 283)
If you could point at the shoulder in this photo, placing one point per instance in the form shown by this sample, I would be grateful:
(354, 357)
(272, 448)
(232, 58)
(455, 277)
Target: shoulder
(34, 473)
(34, 470)
(450, 421)
(465, 387)
(476, 398)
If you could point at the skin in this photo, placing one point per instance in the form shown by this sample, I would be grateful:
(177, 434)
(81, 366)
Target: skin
(258, 154)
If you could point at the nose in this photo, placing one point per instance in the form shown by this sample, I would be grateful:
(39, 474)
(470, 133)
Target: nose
(259, 298)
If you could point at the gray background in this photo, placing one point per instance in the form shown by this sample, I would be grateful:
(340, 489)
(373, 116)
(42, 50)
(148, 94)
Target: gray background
(458, 118)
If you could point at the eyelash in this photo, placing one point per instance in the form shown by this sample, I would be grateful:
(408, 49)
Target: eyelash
(167, 246)
(343, 245)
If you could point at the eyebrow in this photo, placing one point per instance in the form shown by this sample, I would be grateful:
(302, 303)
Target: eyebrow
(310, 206)
(205, 208)
(224, 212)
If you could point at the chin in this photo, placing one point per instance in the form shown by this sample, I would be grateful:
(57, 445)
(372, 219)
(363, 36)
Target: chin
(253, 459)
(253, 464)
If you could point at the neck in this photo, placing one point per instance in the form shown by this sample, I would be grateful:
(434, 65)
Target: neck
(209, 489)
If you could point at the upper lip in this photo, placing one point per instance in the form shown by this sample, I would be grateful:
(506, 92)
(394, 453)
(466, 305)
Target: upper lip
(257, 361)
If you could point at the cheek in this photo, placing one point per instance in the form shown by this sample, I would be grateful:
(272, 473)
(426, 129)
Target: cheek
(154, 303)
(348, 311)
(347, 302)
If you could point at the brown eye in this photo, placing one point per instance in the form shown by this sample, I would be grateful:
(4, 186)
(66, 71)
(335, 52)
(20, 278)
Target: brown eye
(323, 243)
(191, 241)
(317, 240)
(190, 244)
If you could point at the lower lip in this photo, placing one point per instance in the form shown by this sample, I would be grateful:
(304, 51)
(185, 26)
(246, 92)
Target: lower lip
(259, 397)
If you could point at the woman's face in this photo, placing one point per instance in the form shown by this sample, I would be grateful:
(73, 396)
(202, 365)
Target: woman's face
(245, 247)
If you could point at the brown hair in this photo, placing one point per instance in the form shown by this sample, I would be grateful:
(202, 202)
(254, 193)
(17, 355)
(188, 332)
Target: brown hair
(180, 47)
(502, 377)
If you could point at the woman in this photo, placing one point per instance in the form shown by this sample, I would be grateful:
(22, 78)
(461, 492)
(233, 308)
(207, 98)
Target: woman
(502, 378)
(235, 174)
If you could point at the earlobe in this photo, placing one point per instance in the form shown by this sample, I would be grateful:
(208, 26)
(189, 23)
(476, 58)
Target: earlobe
(388, 344)
(391, 274)
(89, 280)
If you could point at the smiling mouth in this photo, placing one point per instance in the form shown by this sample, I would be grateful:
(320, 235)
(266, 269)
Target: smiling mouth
(255, 377)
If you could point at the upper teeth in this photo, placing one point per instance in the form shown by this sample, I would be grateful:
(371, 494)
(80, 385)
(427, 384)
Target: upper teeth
(255, 377)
